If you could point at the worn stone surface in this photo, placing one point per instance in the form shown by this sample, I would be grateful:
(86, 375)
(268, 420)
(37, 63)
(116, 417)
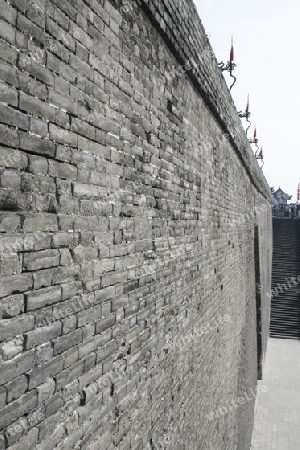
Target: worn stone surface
(129, 198)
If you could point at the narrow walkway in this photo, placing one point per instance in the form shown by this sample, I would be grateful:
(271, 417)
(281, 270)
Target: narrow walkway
(285, 307)
(277, 418)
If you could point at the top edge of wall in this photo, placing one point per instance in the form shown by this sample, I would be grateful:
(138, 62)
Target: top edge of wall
(179, 23)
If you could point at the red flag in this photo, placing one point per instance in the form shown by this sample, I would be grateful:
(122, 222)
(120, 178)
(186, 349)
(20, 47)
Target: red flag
(247, 107)
(231, 51)
(260, 153)
(254, 135)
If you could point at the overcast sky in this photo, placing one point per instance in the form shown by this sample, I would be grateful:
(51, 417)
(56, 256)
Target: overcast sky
(266, 37)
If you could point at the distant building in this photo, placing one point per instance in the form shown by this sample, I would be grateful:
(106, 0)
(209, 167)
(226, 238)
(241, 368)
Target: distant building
(280, 205)
(280, 197)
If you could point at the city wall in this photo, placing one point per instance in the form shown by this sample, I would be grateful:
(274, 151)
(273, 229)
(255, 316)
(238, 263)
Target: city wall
(135, 233)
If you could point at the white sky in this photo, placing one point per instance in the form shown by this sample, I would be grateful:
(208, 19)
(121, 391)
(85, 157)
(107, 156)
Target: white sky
(266, 37)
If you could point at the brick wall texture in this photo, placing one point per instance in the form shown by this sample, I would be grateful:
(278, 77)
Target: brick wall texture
(129, 198)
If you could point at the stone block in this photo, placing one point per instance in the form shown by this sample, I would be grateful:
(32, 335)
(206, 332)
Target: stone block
(17, 409)
(12, 348)
(35, 69)
(38, 127)
(30, 29)
(103, 266)
(15, 283)
(8, 137)
(16, 367)
(42, 334)
(29, 441)
(63, 136)
(38, 165)
(13, 118)
(16, 431)
(68, 341)
(2, 396)
(45, 391)
(8, 33)
(40, 375)
(109, 279)
(15, 326)
(41, 260)
(16, 388)
(8, 95)
(39, 222)
(43, 297)
(12, 306)
(62, 170)
(13, 159)
(105, 323)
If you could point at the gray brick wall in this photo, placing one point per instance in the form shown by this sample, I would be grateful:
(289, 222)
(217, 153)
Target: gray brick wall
(129, 197)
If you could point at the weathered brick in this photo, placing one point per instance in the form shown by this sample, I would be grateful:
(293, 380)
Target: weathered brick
(56, 31)
(7, 13)
(8, 95)
(33, 68)
(110, 279)
(38, 127)
(86, 190)
(42, 278)
(8, 137)
(63, 102)
(16, 431)
(16, 367)
(15, 283)
(87, 378)
(17, 409)
(13, 158)
(45, 391)
(41, 260)
(105, 294)
(105, 323)
(12, 306)
(62, 170)
(51, 432)
(11, 179)
(16, 388)
(13, 118)
(105, 265)
(9, 222)
(119, 302)
(12, 348)
(69, 324)
(89, 346)
(41, 374)
(54, 404)
(29, 441)
(39, 222)
(38, 165)
(27, 27)
(37, 107)
(37, 145)
(9, 54)
(8, 33)
(84, 254)
(10, 328)
(63, 136)
(42, 334)
(68, 341)
(3, 396)
(88, 316)
(43, 297)
(68, 240)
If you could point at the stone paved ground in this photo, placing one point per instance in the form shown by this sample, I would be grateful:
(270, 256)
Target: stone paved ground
(277, 419)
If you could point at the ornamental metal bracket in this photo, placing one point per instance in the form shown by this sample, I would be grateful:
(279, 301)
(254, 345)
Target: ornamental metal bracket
(229, 67)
